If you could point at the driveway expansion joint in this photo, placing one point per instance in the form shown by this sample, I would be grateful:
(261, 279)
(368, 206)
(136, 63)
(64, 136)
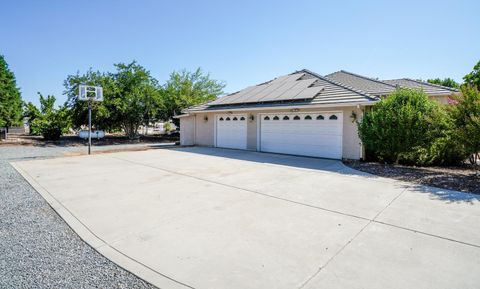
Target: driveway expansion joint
(392, 199)
(351, 240)
(373, 220)
(97, 248)
(246, 190)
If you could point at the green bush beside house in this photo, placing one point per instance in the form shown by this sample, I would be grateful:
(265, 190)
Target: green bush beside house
(466, 117)
(408, 128)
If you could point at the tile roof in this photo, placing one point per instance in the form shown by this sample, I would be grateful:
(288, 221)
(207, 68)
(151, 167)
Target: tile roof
(305, 87)
(287, 87)
(377, 87)
(429, 88)
(367, 84)
(302, 87)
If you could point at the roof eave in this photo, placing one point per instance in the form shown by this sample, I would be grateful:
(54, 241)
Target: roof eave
(182, 115)
(309, 106)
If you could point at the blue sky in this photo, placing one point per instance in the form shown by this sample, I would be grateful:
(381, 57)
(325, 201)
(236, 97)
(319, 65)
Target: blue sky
(239, 42)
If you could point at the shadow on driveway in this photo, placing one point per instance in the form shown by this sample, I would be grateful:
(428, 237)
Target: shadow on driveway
(328, 165)
(446, 195)
(277, 159)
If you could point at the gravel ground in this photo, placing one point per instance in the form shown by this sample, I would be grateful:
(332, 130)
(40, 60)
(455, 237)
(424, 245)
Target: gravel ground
(462, 179)
(37, 248)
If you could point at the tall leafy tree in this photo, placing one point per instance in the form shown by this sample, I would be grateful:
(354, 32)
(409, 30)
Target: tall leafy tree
(131, 98)
(473, 78)
(10, 99)
(135, 98)
(185, 89)
(448, 82)
(101, 115)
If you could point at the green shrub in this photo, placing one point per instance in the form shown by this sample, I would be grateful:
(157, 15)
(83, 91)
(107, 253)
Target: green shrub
(50, 130)
(407, 127)
(444, 147)
(35, 127)
(48, 121)
(167, 127)
(466, 115)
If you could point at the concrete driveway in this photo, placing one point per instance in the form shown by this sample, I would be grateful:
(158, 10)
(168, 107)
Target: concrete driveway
(213, 218)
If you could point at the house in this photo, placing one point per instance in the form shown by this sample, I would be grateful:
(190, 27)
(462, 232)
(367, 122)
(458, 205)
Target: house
(302, 113)
(384, 87)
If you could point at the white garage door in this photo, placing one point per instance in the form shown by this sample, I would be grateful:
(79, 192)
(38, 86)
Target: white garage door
(309, 134)
(231, 131)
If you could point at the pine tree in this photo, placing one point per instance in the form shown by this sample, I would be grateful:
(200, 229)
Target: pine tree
(10, 99)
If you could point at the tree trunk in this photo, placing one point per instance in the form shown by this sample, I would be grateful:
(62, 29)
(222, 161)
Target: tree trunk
(131, 129)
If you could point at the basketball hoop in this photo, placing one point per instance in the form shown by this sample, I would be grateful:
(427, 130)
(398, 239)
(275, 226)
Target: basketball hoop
(90, 94)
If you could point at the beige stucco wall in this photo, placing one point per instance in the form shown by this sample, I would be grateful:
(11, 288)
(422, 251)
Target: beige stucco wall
(351, 144)
(252, 131)
(443, 99)
(187, 130)
(204, 129)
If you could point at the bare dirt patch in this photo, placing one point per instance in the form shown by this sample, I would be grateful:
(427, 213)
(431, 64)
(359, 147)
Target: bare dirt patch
(463, 178)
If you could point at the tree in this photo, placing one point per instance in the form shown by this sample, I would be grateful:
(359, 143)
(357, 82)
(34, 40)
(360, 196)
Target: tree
(48, 121)
(185, 89)
(473, 78)
(466, 114)
(101, 115)
(10, 99)
(131, 98)
(448, 82)
(31, 112)
(135, 99)
(409, 128)
(153, 105)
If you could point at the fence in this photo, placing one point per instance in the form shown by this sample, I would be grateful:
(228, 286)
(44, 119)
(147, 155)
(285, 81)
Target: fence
(3, 133)
(11, 130)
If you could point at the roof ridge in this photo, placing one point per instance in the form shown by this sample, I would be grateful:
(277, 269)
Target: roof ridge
(432, 84)
(341, 84)
(364, 77)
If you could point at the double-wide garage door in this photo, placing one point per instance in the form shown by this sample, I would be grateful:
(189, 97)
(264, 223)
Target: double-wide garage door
(309, 134)
(231, 131)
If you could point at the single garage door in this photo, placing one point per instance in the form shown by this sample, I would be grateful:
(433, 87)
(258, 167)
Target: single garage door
(231, 131)
(308, 134)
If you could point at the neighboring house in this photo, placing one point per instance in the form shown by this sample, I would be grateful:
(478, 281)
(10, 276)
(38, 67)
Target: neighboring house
(302, 113)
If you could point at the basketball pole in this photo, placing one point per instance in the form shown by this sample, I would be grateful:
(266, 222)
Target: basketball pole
(83, 95)
(89, 126)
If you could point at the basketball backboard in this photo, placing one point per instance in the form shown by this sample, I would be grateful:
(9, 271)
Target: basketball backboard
(90, 93)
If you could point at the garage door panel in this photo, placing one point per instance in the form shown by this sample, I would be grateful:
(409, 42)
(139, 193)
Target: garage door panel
(302, 139)
(326, 146)
(311, 137)
(231, 131)
(295, 149)
(298, 133)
